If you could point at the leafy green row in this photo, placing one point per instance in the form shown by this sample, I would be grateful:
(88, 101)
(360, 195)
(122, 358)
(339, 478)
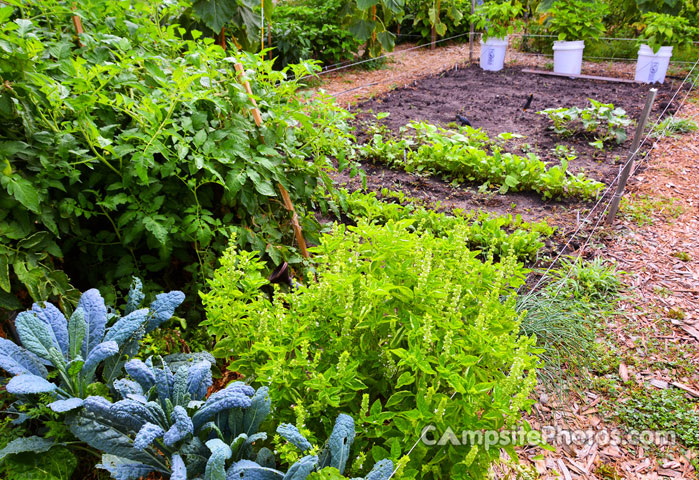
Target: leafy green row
(499, 234)
(462, 156)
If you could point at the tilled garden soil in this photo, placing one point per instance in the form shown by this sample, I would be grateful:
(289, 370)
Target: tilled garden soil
(493, 101)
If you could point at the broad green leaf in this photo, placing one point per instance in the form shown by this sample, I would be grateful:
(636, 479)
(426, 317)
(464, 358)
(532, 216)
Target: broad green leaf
(24, 192)
(215, 13)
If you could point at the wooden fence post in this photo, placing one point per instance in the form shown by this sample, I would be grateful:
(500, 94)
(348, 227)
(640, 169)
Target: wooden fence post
(616, 199)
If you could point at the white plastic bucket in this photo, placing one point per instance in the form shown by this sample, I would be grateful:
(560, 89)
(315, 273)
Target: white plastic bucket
(652, 67)
(567, 57)
(493, 54)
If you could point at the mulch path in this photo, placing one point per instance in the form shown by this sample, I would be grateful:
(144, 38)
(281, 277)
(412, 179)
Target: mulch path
(407, 63)
(659, 285)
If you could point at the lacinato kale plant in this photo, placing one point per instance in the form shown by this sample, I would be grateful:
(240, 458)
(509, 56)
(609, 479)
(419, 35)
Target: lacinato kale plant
(164, 423)
(62, 361)
(399, 328)
(131, 150)
(76, 347)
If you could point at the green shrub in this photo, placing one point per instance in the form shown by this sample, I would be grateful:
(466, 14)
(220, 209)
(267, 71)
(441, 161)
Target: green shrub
(311, 29)
(397, 328)
(498, 20)
(573, 20)
(136, 153)
(659, 29)
(448, 23)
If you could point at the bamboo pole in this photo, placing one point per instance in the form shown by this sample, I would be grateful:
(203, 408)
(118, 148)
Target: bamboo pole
(222, 38)
(285, 194)
(269, 39)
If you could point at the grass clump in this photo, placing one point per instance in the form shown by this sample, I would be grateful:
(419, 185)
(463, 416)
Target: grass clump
(673, 127)
(564, 315)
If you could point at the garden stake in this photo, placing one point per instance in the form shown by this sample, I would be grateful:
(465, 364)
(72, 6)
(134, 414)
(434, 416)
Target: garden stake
(78, 24)
(434, 27)
(269, 39)
(616, 199)
(285, 195)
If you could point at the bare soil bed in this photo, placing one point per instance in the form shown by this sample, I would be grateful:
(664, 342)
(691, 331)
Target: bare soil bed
(493, 101)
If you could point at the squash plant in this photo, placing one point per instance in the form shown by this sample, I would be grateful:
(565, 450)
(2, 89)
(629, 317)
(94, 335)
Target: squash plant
(242, 18)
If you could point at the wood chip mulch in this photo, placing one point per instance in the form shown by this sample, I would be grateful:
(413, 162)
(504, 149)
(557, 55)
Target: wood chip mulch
(661, 288)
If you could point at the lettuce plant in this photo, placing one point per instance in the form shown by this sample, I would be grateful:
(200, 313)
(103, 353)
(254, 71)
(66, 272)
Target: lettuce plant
(163, 423)
(466, 155)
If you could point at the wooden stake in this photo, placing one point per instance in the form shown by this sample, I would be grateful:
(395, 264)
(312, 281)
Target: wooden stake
(222, 38)
(269, 39)
(616, 199)
(78, 24)
(298, 233)
(471, 33)
(373, 18)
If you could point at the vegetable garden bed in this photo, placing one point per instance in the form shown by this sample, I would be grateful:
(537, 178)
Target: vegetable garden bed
(493, 102)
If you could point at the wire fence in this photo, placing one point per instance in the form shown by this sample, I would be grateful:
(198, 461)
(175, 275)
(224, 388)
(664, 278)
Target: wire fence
(350, 64)
(601, 214)
(629, 161)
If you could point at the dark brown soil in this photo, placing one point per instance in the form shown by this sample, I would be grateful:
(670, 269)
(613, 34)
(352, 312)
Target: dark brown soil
(493, 101)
